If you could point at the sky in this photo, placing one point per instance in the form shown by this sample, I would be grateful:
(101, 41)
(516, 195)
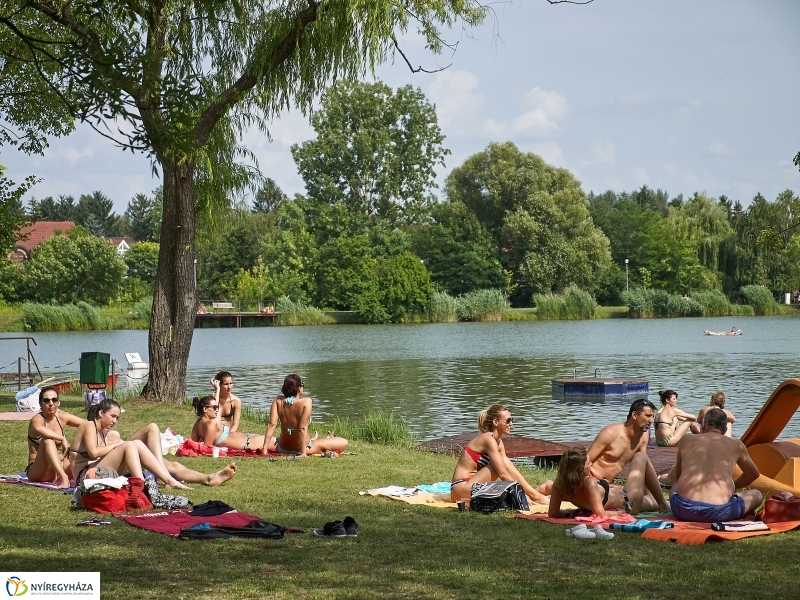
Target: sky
(679, 95)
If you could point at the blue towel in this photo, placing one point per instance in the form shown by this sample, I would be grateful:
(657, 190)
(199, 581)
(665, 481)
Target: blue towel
(443, 487)
(642, 524)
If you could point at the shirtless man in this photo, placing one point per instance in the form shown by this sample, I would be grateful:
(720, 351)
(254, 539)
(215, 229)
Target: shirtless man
(621, 443)
(706, 490)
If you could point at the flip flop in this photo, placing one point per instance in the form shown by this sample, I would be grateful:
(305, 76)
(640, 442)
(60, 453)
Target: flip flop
(581, 532)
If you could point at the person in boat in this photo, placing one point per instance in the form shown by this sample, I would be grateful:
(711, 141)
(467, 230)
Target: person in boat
(718, 401)
(230, 407)
(95, 446)
(671, 422)
(484, 459)
(621, 443)
(292, 411)
(210, 430)
(575, 483)
(706, 490)
(48, 448)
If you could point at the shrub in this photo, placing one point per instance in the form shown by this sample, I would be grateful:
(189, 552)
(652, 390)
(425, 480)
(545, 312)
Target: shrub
(442, 308)
(297, 313)
(578, 304)
(714, 302)
(377, 427)
(760, 298)
(143, 309)
(72, 317)
(743, 310)
(639, 302)
(481, 305)
(548, 306)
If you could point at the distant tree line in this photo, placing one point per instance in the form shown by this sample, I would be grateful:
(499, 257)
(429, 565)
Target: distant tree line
(369, 235)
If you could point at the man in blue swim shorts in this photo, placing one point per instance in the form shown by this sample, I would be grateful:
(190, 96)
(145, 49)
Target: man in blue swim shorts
(706, 491)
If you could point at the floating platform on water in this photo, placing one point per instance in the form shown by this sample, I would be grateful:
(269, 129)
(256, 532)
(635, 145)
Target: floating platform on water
(600, 387)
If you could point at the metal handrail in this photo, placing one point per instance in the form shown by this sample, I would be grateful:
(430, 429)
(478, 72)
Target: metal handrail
(30, 358)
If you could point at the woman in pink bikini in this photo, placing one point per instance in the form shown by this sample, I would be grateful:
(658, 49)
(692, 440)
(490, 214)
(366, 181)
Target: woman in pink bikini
(484, 459)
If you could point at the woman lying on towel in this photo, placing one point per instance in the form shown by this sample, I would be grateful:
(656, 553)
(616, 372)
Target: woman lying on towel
(95, 445)
(293, 412)
(210, 429)
(484, 459)
(48, 448)
(574, 483)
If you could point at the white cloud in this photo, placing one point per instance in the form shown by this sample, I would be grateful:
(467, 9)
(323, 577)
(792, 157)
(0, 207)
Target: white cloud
(550, 152)
(457, 101)
(543, 111)
(72, 155)
(719, 149)
(640, 177)
(601, 152)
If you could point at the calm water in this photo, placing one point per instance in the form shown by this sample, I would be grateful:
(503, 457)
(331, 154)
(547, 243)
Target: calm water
(440, 376)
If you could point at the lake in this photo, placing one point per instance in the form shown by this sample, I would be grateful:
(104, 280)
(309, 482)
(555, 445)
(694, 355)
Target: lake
(439, 376)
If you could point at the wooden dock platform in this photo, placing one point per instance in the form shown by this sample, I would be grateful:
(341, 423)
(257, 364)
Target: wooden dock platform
(542, 452)
(232, 319)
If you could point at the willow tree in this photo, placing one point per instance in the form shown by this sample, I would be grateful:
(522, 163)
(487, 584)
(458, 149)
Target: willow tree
(181, 80)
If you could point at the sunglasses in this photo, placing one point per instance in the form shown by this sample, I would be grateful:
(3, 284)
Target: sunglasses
(509, 421)
(213, 406)
(50, 400)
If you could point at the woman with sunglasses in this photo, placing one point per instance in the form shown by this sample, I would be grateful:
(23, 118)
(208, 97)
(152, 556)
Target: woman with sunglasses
(48, 448)
(292, 411)
(93, 447)
(210, 430)
(484, 459)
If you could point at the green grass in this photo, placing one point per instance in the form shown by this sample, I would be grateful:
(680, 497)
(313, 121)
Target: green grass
(401, 551)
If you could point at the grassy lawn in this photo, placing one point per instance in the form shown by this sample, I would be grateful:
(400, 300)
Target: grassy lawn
(401, 551)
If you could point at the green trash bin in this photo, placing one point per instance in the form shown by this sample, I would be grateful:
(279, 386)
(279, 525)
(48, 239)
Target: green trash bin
(94, 367)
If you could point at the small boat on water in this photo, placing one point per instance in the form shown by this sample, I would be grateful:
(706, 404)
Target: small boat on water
(733, 331)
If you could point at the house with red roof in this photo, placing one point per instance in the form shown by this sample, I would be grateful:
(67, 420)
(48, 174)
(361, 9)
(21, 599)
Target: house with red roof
(122, 244)
(32, 235)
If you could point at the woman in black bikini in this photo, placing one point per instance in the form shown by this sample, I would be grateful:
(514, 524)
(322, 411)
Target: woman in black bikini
(293, 411)
(93, 448)
(575, 483)
(484, 459)
(48, 448)
(671, 422)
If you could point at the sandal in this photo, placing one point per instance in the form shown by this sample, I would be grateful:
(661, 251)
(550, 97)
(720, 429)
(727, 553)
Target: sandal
(580, 532)
(601, 534)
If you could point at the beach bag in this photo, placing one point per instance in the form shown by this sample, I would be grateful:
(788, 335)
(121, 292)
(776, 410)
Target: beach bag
(28, 400)
(784, 507)
(497, 495)
(106, 501)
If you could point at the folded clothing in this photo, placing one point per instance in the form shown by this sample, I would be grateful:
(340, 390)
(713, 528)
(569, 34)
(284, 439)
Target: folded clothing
(254, 529)
(641, 525)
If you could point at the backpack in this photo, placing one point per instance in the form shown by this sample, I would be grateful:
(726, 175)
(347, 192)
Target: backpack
(497, 495)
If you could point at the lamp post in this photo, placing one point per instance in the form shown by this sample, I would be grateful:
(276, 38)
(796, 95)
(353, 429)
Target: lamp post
(195, 274)
(626, 274)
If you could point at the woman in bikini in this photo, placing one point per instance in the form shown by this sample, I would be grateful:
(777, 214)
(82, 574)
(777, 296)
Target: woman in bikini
(230, 407)
(48, 448)
(212, 432)
(93, 447)
(484, 459)
(718, 401)
(293, 412)
(575, 483)
(671, 422)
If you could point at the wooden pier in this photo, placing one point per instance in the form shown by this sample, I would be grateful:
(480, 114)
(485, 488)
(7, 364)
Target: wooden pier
(233, 319)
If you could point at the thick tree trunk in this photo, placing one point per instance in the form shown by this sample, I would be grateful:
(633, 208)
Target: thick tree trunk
(174, 298)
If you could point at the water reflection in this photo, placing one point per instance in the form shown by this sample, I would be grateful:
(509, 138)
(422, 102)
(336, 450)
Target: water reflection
(440, 376)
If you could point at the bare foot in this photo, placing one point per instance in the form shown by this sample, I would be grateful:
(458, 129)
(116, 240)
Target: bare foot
(64, 483)
(177, 485)
(220, 477)
(540, 499)
(546, 488)
(330, 434)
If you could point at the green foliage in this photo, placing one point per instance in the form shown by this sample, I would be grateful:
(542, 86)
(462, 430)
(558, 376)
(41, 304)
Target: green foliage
(404, 285)
(537, 216)
(442, 308)
(376, 427)
(66, 269)
(376, 151)
(743, 310)
(714, 302)
(639, 302)
(482, 305)
(574, 304)
(73, 317)
(143, 309)
(12, 215)
(142, 261)
(297, 313)
(269, 196)
(761, 299)
(659, 303)
(144, 217)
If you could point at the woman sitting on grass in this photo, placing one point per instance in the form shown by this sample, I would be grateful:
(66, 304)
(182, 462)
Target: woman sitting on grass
(230, 407)
(93, 447)
(484, 459)
(293, 412)
(210, 430)
(574, 483)
(48, 448)
(671, 422)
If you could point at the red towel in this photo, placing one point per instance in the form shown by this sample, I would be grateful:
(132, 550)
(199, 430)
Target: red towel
(170, 522)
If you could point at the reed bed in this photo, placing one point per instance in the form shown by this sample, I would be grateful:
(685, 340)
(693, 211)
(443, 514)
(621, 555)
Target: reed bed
(298, 313)
(573, 304)
(482, 305)
(73, 317)
(761, 299)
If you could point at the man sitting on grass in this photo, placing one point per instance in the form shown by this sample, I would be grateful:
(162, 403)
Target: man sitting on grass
(621, 443)
(706, 491)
